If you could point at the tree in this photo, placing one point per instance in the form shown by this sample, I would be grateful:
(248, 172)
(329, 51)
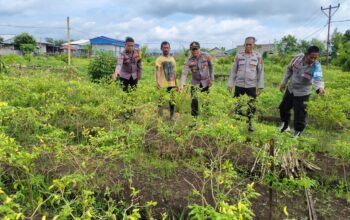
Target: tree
(336, 42)
(49, 40)
(59, 42)
(347, 36)
(343, 59)
(319, 44)
(144, 51)
(25, 42)
(288, 44)
(1, 40)
(303, 45)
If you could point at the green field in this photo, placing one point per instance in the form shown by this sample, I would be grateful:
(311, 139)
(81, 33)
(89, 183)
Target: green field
(67, 150)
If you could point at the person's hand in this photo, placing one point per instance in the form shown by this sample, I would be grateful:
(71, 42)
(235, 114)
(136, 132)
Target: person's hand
(158, 85)
(180, 88)
(282, 87)
(321, 92)
(259, 91)
(229, 88)
(210, 83)
(115, 76)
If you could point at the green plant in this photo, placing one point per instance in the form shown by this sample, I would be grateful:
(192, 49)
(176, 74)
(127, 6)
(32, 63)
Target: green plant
(3, 68)
(25, 42)
(101, 66)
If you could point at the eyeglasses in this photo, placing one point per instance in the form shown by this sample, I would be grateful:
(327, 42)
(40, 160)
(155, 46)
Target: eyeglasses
(194, 49)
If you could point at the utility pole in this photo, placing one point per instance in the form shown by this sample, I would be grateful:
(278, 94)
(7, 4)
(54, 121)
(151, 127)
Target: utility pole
(68, 33)
(329, 15)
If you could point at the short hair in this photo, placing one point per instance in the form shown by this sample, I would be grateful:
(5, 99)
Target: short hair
(250, 38)
(129, 39)
(164, 43)
(313, 49)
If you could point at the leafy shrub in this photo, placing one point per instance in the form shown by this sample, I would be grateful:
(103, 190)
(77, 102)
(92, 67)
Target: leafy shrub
(102, 66)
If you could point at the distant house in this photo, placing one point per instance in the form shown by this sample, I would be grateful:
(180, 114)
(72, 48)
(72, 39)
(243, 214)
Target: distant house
(261, 48)
(230, 51)
(217, 52)
(44, 47)
(7, 46)
(103, 43)
(78, 48)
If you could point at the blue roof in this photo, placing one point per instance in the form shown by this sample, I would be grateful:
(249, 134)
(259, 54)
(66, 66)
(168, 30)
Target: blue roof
(106, 40)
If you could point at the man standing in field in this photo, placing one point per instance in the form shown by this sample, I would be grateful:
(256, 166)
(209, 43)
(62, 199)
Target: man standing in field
(166, 76)
(129, 66)
(302, 71)
(202, 78)
(248, 75)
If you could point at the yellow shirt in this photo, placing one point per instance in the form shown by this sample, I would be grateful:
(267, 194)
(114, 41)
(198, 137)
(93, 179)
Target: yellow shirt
(167, 67)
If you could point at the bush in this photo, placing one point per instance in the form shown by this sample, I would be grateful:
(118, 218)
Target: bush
(13, 59)
(101, 66)
(2, 66)
(62, 57)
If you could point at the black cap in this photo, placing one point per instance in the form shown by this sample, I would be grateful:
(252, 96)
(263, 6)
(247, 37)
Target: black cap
(195, 44)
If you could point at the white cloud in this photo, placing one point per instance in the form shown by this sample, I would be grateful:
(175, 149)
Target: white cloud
(210, 22)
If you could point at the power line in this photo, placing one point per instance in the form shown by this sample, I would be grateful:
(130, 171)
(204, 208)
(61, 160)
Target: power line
(316, 32)
(312, 19)
(340, 21)
(33, 27)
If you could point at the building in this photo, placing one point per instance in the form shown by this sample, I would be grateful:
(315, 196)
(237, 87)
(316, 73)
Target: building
(217, 52)
(261, 48)
(45, 48)
(78, 48)
(107, 44)
(7, 46)
(42, 46)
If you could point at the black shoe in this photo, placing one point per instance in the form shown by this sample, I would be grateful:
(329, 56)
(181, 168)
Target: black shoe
(192, 125)
(250, 128)
(284, 127)
(297, 134)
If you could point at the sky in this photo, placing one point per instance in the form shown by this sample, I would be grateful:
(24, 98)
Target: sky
(213, 23)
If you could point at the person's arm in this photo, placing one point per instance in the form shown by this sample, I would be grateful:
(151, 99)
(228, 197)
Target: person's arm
(139, 68)
(158, 72)
(286, 76)
(318, 79)
(233, 74)
(260, 73)
(118, 67)
(184, 73)
(175, 68)
(211, 67)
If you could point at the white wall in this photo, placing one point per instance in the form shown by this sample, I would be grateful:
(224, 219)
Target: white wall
(115, 50)
(8, 50)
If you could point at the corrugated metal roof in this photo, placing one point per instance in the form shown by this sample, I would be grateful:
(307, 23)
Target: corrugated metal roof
(106, 40)
(8, 39)
(78, 42)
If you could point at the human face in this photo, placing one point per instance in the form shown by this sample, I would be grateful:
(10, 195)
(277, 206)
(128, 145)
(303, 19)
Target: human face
(129, 47)
(166, 49)
(249, 45)
(195, 52)
(311, 58)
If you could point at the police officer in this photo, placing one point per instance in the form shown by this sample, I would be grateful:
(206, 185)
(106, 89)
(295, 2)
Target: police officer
(302, 71)
(248, 76)
(129, 66)
(201, 67)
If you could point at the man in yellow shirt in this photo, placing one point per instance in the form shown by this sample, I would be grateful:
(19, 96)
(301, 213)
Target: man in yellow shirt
(166, 76)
